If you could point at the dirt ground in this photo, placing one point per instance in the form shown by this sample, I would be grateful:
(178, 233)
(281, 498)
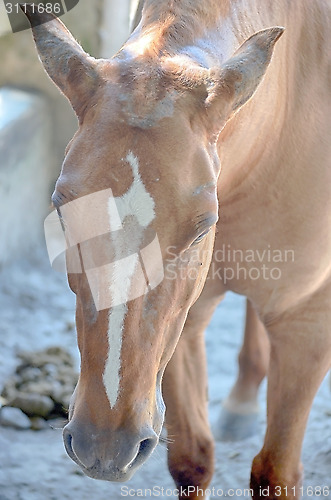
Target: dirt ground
(37, 310)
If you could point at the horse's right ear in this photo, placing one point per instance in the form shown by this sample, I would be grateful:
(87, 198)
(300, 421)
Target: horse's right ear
(70, 68)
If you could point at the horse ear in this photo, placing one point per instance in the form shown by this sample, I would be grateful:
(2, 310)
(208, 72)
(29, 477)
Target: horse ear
(70, 68)
(232, 85)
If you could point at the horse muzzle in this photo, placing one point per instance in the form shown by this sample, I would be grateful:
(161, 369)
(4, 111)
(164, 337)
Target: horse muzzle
(111, 456)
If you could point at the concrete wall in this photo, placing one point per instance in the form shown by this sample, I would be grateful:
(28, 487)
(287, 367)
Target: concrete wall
(21, 68)
(101, 26)
(40, 122)
(25, 133)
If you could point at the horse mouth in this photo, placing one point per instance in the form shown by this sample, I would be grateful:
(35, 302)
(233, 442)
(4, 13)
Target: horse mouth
(113, 474)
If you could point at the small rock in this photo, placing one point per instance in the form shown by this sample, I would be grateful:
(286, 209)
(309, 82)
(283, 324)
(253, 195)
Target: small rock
(66, 398)
(3, 401)
(67, 374)
(33, 404)
(10, 388)
(62, 354)
(49, 370)
(30, 374)
(63, 395)
(49, 373)
(14, 417)
(43, 387)
(38, 424)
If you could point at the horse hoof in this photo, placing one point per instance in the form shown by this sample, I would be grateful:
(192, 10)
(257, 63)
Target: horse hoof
(236, 425)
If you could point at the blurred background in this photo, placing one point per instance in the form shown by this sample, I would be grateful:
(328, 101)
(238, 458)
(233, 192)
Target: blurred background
(38, 350)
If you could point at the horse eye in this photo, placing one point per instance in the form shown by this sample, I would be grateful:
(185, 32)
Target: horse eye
(201, 237)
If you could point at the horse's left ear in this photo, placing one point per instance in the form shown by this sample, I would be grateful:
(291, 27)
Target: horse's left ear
(232, 85)
(70, 68)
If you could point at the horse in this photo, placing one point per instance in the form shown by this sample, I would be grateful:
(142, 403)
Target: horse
(207, 143)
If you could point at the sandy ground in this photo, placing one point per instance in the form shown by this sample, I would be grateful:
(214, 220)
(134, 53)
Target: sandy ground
(37, 310)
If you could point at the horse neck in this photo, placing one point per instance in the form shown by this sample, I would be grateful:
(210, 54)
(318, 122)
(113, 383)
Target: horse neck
(171, 25)
(194, 13)
(265, 139)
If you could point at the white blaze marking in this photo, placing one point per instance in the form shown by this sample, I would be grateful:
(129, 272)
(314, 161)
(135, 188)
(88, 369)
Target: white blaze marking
(138, 202)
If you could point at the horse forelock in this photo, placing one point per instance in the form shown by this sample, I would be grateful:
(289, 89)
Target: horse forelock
(143, 91)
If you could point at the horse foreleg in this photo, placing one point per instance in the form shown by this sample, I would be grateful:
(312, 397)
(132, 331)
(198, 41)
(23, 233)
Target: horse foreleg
(300, 358)
(190, 442)
(239, 415)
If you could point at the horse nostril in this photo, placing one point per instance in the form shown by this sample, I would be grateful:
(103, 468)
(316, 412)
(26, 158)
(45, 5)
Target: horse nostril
(145, 446)
(67, 439)
(79, 450)
(145, 449)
